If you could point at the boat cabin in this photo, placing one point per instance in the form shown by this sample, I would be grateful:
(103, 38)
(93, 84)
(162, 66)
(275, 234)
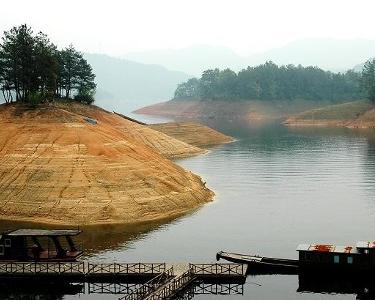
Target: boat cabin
(39, 245)
(362, 256)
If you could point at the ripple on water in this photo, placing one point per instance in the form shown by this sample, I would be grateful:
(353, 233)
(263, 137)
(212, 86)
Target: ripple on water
(275, 187)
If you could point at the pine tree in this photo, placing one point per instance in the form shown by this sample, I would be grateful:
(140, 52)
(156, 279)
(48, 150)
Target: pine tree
(368, 79)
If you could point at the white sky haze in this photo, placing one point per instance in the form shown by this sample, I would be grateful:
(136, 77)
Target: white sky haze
(116, 27)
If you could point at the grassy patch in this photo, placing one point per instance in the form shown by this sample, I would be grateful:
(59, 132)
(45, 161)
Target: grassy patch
(345, 111)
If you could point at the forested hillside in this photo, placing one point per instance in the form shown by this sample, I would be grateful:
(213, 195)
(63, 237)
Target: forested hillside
(33, 69)
(272, 82)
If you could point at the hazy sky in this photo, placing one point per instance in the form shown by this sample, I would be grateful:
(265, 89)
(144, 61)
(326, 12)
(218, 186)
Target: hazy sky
(249, 26)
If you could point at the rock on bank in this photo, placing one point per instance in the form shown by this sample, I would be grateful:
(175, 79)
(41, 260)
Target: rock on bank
(75, 164)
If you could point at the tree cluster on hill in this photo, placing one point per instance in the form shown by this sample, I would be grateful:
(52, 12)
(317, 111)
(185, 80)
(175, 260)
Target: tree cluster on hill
(272, 82)
(32, 69)
(368, 79)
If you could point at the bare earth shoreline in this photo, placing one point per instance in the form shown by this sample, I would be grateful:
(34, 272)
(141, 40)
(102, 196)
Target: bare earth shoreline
(71, 164)
(354, 114)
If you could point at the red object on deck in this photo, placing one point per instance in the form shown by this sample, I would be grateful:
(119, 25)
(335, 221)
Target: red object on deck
(323, 248)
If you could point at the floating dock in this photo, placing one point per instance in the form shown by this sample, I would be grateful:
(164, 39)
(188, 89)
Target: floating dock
(169, 284)
(81, 271)
(158, 280)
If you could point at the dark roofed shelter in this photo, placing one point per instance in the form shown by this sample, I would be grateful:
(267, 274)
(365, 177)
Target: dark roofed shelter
(39, 245)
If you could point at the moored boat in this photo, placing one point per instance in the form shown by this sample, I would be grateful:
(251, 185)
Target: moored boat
(261, 264)
(312, 257)
(39, 245)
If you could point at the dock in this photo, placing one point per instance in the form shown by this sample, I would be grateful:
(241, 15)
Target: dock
(154, 281)
(81, 271)
(172, 284)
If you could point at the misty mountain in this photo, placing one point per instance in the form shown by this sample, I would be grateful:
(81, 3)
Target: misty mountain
(326, 53)
(124, 85)
(192, 60)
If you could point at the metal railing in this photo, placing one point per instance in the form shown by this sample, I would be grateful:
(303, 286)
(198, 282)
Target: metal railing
(42, 268)
(150, 286)
(218, 269)
(112, 288)
(82, 268)
(210, 289)
(173, 287)
(131, 268)
(218, 289)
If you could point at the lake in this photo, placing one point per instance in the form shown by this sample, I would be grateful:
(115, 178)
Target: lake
(276, 187)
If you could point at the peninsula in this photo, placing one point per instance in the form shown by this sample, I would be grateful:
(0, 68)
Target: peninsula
(74, 164)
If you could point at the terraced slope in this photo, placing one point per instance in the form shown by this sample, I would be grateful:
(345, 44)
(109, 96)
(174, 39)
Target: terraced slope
(162, 143)
(193, 133)
(58, 165)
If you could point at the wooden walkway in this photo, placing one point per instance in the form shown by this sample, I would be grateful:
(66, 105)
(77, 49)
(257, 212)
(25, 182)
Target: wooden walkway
(172, 285)
(165, 281)
(82, 271)
(197, 288)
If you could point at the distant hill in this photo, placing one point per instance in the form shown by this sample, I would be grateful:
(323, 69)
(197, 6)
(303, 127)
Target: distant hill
(193, 60)
(124, 85)
(327, 53)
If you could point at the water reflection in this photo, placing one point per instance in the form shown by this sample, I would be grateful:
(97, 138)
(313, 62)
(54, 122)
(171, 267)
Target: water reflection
(21, 289)
(34, 289)
(102, 238)
(361, 286)
(60, 289)
(370, 167)
(276, 187)
(308, 287)
(211, 289)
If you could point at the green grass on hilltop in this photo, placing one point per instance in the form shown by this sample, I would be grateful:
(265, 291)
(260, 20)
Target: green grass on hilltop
(345, 111)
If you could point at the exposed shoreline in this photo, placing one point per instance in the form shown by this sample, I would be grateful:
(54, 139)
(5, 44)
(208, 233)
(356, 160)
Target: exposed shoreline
(352, 124)
(248, 110)
(194, 134)
(354, 115)
(58, 168)
(160, 218)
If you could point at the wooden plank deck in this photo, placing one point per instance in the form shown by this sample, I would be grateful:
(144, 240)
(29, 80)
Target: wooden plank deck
(184, 277)
(166, 280)
(81, 270)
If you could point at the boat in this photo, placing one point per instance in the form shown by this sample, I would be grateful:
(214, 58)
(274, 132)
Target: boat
(312, 257)
(260, 264)
(39, 245)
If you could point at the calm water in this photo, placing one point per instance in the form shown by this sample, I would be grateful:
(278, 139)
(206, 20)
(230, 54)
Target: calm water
(275, 187)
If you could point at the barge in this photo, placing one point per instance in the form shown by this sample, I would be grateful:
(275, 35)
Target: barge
(312, 257)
